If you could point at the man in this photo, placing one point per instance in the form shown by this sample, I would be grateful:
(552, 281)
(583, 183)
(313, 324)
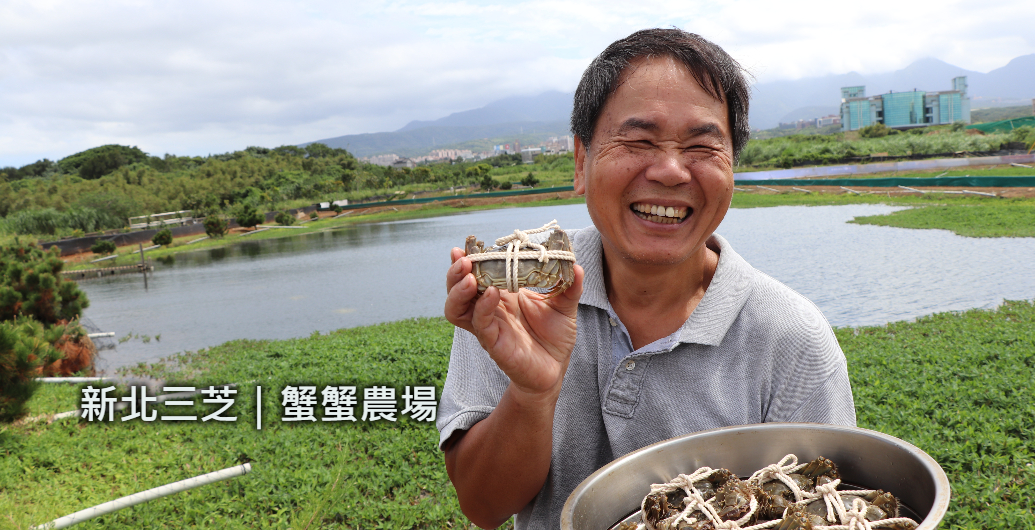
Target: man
(675, 332)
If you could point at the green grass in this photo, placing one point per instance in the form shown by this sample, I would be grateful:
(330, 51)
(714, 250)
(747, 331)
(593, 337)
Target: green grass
(1006, 218)
(957, 385)
(340, 475)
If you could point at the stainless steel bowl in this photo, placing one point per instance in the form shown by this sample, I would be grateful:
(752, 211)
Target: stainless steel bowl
(864, 458)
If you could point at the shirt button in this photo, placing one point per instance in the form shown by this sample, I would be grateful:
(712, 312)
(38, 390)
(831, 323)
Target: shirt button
(612, 321)
(630, 365)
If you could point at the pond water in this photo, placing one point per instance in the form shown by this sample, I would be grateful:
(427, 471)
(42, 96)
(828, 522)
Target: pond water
(365, 274)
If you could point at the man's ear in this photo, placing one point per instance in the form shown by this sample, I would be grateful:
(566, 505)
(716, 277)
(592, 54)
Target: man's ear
(580, 174)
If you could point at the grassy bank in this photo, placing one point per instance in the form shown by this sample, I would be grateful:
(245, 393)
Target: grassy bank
(1011, 218)
(954, 384)
(383, 214)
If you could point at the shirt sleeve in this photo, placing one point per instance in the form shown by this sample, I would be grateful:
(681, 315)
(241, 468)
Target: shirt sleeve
(474, 386)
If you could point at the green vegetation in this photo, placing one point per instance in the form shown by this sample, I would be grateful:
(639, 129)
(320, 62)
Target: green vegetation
(999, 113)
(101, 188)
(953, 384)
(103, 247)
(957, 385)
(1006, 218)
(816, 149)
(163, 237)
(305, 475)
(36, 306)
(284, 219)
(215, 226)
(25, 347)
(246, 215)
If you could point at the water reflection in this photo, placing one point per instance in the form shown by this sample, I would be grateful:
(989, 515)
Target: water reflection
(359, 275)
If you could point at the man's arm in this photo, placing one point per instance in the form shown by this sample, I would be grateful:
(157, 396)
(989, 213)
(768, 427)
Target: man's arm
(500, 464)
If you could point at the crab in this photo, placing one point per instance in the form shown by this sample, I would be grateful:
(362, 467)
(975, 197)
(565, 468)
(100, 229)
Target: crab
(549, 266)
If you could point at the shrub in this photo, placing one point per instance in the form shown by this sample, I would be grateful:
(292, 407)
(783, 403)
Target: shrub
(314, 215)
(164, 237)
(247, 215)
(285, 219)
(337, 209)
(876, 130)
(506, 185)
(488, 183)
(103, 246)
(215, 226)
(529, 180)
(25, 347)
(31, 285)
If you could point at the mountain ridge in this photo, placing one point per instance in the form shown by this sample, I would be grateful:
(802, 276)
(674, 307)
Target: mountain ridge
(771, 103)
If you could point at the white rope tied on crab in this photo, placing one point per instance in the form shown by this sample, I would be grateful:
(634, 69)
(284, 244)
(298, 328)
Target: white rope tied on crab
(514, 244)
(781, 471)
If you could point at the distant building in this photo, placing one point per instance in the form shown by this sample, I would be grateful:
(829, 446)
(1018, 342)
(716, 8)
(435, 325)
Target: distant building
(905, 110)
(813, 122)
(528, 154)
(382, 160)
(404, 162)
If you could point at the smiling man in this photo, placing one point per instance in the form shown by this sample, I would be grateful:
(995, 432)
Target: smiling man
(665, 331)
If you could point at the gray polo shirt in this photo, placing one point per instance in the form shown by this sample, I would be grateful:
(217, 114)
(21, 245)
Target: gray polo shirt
(752, 351)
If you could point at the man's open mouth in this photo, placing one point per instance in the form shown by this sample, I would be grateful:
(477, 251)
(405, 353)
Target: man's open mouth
(660, 214)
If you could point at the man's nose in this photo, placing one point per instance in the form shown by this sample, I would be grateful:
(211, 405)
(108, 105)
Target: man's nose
(669, 168)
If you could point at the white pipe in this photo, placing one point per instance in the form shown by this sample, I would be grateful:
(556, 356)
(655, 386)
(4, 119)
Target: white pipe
(71, 379)
(765, 188)
(852, 191)
(196, 240)
(801, 189)
(254, 232)
(104, 334)
(113, 256)
(911, 189)
(980, 193)
(144, 496)
(146, 249)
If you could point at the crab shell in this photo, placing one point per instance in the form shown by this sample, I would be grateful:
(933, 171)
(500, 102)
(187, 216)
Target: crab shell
(556, 275)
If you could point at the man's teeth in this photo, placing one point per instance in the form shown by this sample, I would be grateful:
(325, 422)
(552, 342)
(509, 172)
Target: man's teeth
(660, 214)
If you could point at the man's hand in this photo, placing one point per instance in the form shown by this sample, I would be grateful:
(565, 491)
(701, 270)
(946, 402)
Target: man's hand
(529, 337)
(500, 464)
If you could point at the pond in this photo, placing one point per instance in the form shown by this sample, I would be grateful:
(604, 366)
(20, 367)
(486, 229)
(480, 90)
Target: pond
(365, 274)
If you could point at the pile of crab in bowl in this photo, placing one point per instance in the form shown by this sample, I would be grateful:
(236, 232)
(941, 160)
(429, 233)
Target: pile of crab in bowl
(785, 496)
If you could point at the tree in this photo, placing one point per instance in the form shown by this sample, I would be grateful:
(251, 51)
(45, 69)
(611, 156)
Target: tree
(164, 237)
(247, 215)
(215, 226)
(103, 246)
(31, 285)
(529, 180)
(36, 304)
(25, 347)
(284, 218)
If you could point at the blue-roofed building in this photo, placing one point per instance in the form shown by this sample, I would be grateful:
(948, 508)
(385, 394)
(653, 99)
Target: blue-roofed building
(905, 110)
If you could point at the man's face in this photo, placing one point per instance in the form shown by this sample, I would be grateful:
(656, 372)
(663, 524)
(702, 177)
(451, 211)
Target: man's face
(663, 145)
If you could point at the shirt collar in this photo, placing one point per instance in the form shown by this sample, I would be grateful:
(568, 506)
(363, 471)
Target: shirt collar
(713, 316)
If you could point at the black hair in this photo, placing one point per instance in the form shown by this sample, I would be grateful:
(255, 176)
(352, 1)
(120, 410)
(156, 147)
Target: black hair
(718, 73)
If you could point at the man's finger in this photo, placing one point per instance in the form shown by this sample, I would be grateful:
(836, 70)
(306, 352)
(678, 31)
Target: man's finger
(460, 302)
(458, 270)
(483, 318)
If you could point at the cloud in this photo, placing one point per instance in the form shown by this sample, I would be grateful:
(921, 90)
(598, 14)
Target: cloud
(196, 77)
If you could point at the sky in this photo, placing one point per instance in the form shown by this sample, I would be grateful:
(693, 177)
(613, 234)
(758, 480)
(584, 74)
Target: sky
(193, 77)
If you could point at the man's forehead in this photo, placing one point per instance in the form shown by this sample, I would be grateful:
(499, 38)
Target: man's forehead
(697, 78)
